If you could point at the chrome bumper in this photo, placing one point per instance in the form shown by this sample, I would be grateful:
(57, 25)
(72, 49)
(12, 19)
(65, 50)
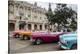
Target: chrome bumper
(62, 46)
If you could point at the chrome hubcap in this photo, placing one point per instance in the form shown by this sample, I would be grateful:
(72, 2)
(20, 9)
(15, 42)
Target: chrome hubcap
(25, 38)
(38, 41)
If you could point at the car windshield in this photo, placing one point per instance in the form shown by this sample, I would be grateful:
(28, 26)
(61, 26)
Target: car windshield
(55, 32)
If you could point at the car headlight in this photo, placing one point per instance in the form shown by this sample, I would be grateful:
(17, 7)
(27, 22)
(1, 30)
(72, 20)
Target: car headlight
(63, 41)
(60, 37)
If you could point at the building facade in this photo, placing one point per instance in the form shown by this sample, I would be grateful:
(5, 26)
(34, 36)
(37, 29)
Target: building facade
(23, 15)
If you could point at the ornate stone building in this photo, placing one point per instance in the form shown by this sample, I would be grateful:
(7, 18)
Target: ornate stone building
(23, 15)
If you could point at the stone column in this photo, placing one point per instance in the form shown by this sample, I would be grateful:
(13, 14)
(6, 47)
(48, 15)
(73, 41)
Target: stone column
(38, 27)
(32, 27)
(17, 25)
(26, 27)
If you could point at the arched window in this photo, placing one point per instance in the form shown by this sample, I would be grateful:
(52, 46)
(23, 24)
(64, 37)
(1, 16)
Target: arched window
(45, 26)
(11, 8)
(29, 26)
(40, 27)
(22, 25)
(35, 27)
(11, 26)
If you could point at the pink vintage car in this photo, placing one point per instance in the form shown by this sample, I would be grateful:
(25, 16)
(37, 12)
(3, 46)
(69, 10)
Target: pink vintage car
(46, 37)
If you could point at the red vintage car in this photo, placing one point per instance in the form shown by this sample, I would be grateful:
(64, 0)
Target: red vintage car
(16, 33)
(46, 37)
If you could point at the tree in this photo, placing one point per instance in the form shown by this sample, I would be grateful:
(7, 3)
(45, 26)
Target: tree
(61, 14)
(49, 15)
(73, 24)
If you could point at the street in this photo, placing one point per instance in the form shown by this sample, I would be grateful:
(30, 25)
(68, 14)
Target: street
(25, 46)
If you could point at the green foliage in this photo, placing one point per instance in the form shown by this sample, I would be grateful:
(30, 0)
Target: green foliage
(73, 25)
(61, 14)
(49, 14)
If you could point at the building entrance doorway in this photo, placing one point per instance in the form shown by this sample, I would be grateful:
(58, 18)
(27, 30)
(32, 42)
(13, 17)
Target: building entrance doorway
(29, 26)
(22, 25)
(11, 26)
(35, 27)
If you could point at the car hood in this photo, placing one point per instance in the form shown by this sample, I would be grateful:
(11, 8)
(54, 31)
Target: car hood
(71, 36)
(45, 34)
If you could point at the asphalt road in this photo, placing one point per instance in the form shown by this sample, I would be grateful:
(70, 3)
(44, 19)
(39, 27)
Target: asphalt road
(25, 46)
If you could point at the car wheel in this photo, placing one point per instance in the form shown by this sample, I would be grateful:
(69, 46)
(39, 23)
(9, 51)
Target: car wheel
(16, 35)
(74, 46)
(38, 41)
(28, 38)
(25, 38)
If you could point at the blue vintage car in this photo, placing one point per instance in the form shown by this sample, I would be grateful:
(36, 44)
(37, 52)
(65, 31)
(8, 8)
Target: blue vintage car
(68, 41)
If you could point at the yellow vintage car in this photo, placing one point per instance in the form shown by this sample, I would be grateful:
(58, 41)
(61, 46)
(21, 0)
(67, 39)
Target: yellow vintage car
(25, 35)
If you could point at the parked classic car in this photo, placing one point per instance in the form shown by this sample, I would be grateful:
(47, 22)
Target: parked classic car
(16, 33)
(25, 35)
(28, 34)
(68, 41)
(45, 37)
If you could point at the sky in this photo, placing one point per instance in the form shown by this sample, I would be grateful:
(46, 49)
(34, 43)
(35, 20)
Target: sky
(53, 5)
